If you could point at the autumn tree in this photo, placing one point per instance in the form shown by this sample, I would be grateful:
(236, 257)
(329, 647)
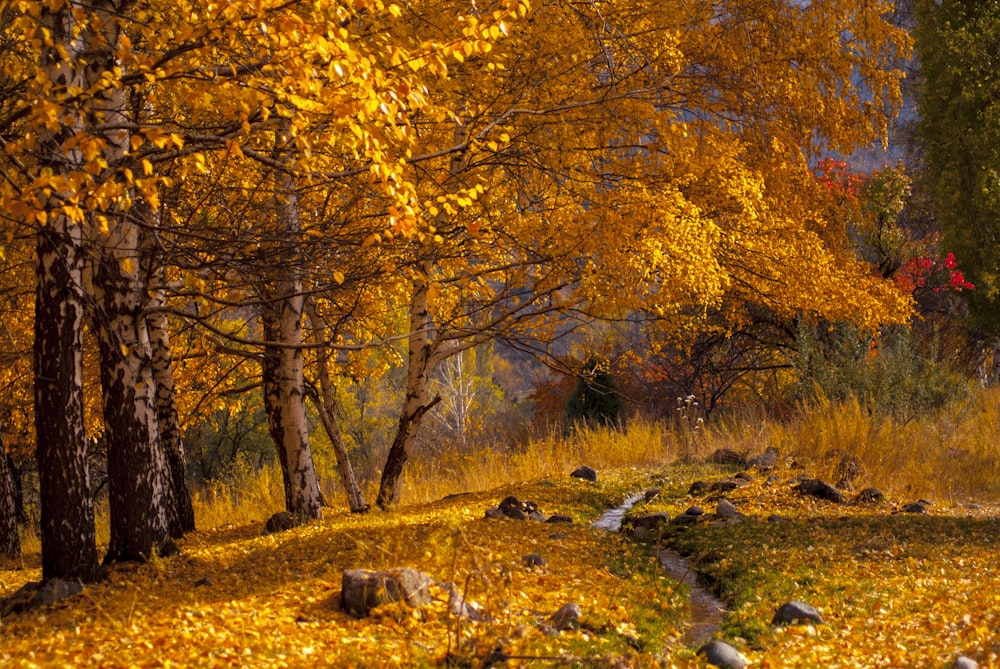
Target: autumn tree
(957, 42)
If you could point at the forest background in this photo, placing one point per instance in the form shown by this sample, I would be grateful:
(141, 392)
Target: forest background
(349, 249)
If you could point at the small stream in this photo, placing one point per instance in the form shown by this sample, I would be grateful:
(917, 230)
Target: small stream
(706, 609)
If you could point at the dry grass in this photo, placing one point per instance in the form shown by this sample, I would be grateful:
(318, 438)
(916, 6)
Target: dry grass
(952, 456)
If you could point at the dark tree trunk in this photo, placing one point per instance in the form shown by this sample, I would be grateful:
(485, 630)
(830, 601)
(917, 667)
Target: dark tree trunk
(69, 549)
(137, 470)
(15, 476)
(270, 368)
(10, 543)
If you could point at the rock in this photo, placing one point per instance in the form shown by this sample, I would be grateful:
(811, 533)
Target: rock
(743, 476)
(870, 496)
(925, 502)
(795, 611)
(698, 488)
(533, 560)
(643, 525)
(494, 513)
(567, 617)
(694, 511)
(725, 509)
(516, 514)
(652, 493)
(725, 456)
(771, 480)
(721, 654)
(585, 473)
(821, 490)
(972, 506)
(560, 518)
(558, 536)
(725, 486)
(766, 461)
(461, 608)
(775, 518)
(361, 590)
(36, 594)
(538, 516)
(914, 507)
(280, 522)
(963, 662)
(684, 519)
(508, 504)
(203, 583)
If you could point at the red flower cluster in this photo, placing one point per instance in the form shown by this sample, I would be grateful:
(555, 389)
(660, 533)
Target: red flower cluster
(924, 273)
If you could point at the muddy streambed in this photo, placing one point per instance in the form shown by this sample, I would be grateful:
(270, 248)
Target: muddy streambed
(706, 609)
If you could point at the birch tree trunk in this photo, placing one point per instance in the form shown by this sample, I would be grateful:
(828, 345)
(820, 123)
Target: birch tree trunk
(69, 549)
(137, 468)
(180, 512)
(10, 543)
(419, 365)
(284, 363)
(325, 404)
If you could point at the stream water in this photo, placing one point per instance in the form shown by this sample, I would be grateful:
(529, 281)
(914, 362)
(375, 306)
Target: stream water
(706, 609)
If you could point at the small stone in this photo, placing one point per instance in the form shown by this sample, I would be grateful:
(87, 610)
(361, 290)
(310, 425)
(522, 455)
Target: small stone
(724, 486)
(820, 490)
(914, 507)
(972, 506)
(698, 488)
(685, 519)
(203, 583)
(925, 502)
(721, 654)
(963, 662)
(725, 456)
(494, 513)
(363, 590)
(795, 611)
(652, 493)
(560, 518)
(516, 514)
(766, 461)
(533, 560)
(725, 509)
(558, 536)
(694, 511)
(538, 516)
(36, 594)
(870, 495)
(280, 522)
(744, 476)
(510, 503)
(775, 518)
(643, 525)
(585, 473)
(567, 617)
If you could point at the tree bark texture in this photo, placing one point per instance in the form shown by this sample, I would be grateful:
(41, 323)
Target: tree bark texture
(179, 509)
(419, 365)
(10, 543)
(284, 363)
(325, 404)
(69, 549)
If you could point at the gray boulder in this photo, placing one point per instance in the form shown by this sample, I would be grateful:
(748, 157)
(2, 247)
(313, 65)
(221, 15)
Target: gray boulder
(820, 490)
(963, 662)
(726, 456)
(643, 525)
(766, 461)
(280, 522)
(721, 654)
(796, 612)
(725, 509)
(567, 617)
(870, 495)
(694, 511)
(361, 590)
(585, 473)
(533, 560)
(36, 594)
(914, 507)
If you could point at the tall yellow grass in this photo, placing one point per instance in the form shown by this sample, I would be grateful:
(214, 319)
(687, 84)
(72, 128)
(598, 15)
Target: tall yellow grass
(952, 457)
